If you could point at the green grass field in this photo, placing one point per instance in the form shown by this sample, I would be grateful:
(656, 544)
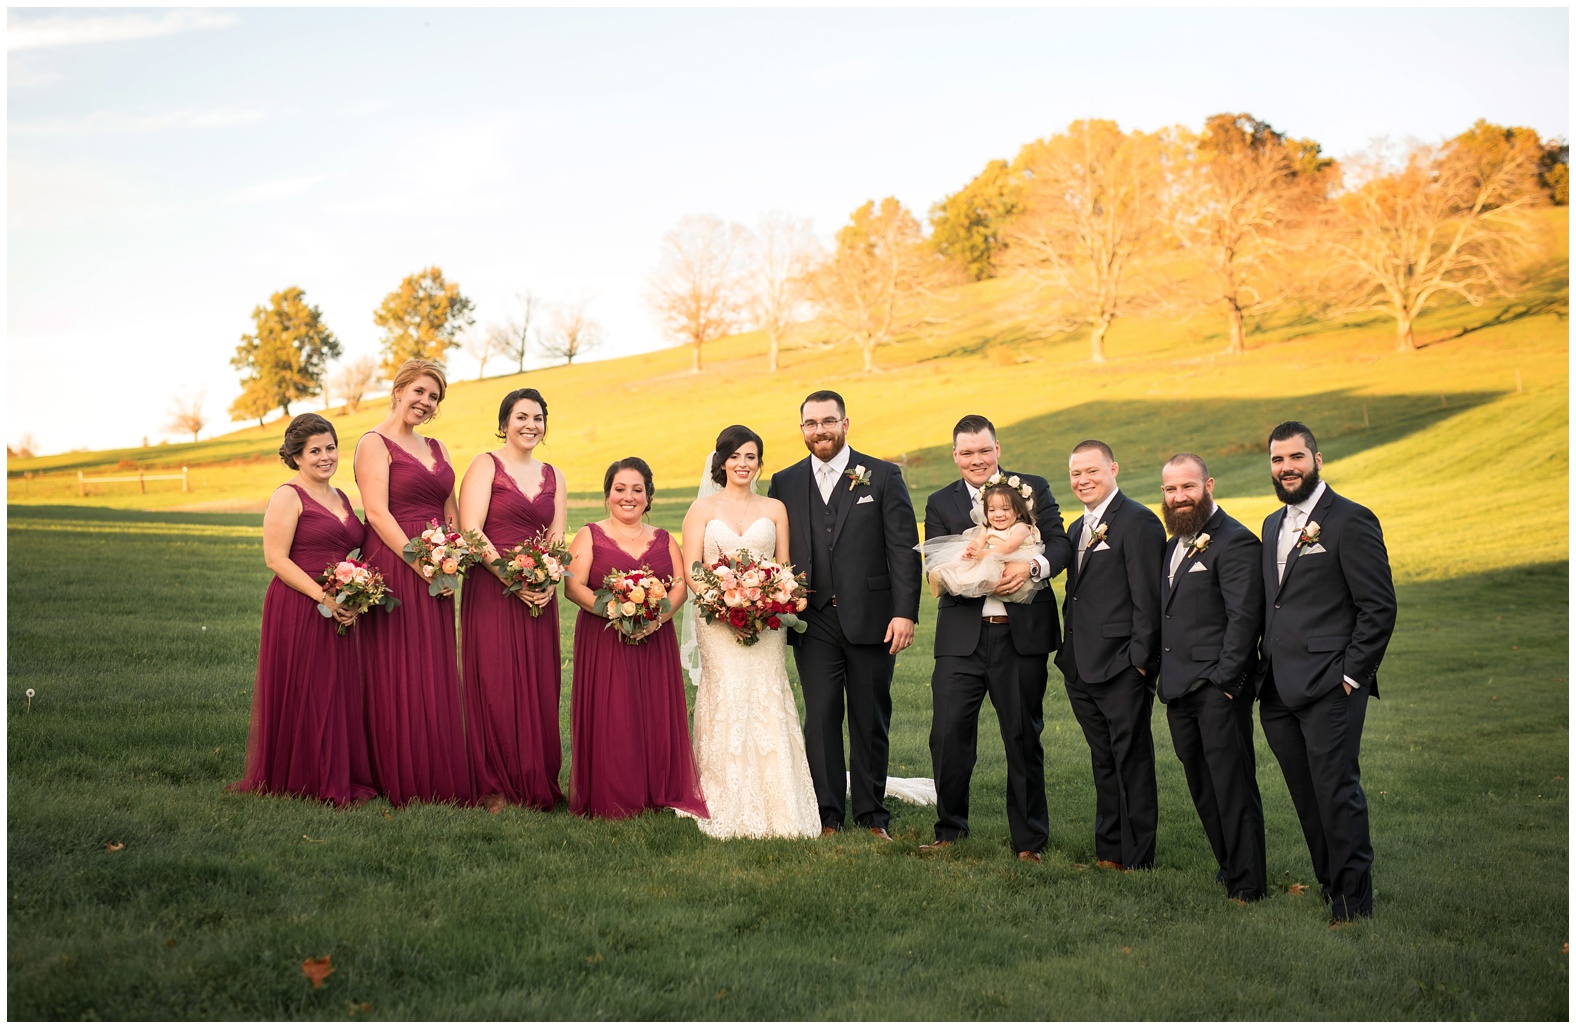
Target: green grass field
(433, 912)
(134, 618)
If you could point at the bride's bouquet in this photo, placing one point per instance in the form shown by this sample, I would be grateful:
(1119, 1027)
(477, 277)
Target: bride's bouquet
(356, 586)
(751, 595)
(541, 562)
(632, 601)
(444, 554)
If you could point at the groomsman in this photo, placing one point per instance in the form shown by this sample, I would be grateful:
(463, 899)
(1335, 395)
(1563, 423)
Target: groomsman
(1112, 652)
(987, 647)
(851, 527)
(1329, 613)
(1212, 608)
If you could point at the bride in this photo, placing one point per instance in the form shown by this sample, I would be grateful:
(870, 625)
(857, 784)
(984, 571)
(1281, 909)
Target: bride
(747, 738)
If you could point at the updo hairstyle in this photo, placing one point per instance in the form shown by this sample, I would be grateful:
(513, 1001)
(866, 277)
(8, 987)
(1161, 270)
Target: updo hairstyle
(728, 441)
(302, 428)
(633, 464)
(506, 408)
(414, 369)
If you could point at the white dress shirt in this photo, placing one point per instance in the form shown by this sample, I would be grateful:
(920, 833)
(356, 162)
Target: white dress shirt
(827, 473)
(1091, 519)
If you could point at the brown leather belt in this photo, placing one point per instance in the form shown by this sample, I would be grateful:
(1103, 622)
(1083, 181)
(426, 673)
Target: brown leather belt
(994, 619)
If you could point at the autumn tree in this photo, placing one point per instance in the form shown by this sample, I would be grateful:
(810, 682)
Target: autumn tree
(283, 358)
(1094, 199)
(569, 333)
(879, 281)
(698, 291)
(1443, 220)
(1554, 172)
(967, 225)
(353, 381)
(783, 252)
(186, 414)
(1243, 193)
(424, 317)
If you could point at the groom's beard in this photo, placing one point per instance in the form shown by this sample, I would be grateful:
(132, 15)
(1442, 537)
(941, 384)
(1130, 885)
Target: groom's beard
(1310, 482)
(826, 445)
(1188, 521)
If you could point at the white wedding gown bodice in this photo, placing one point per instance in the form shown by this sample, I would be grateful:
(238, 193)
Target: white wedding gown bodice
(747, 738)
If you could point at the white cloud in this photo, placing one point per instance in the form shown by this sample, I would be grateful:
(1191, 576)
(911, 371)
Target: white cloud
(37, 33)
(110, 121)
(278, 189)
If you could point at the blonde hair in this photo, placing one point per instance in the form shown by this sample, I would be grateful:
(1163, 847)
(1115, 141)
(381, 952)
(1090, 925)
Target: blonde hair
(414, 369)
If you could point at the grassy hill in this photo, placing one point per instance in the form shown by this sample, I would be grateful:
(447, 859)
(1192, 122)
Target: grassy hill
(1408, 434)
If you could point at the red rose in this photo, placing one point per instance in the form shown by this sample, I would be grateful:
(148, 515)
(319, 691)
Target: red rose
(738, 617)
(774, 622)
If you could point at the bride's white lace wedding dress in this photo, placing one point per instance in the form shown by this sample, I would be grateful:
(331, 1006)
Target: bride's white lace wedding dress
(747, 738)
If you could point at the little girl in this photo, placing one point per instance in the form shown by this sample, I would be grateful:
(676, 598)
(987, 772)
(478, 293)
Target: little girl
(970, 565)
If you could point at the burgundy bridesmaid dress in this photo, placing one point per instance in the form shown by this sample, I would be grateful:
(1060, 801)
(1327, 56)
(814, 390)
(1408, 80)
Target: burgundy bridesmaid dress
(629, 736)
(307, 737)
(408, 659)
(511, 661)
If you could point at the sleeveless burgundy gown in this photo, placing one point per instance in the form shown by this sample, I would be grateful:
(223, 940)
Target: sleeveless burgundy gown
(307, 738)
(511, 661)
(629, 736)
(408, 660)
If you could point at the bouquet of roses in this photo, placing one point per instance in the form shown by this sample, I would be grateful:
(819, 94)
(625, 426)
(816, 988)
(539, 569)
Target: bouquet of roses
(751, 595)
(444, 554)
(633, 600)
(541, 562)
(356, 586)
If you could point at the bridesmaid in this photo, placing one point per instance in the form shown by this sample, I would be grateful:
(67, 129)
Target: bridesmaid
(628, 731)
(307, 737)
(511, 659)
(414, 721)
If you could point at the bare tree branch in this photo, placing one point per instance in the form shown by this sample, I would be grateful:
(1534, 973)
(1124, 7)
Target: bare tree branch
(697, 292)
(570, 332)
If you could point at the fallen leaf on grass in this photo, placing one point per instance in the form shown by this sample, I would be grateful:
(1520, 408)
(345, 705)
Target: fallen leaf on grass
(170, 942)
(362, 1008)
(317, 969)
(309, 839)
(1296, 889)
(1127, 950)
(113, 847)
(388, 814)
(1565, 948)
(595, 959)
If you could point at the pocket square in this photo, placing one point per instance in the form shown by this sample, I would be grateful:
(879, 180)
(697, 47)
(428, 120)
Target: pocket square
(1314, 548)
(1198, 566)
(1103, 545)
(866, 499)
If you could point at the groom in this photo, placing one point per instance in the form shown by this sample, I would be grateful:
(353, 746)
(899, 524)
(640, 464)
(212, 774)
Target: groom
(851, 527)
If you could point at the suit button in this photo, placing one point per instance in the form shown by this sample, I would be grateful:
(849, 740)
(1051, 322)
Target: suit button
(1168, 650)
(1277, 607)
(1168, 618)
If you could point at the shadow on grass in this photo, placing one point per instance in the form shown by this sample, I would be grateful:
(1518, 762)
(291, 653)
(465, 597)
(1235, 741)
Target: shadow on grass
(1229, 434)
(61, 513)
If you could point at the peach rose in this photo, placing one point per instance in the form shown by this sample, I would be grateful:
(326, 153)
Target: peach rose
(450, 566)
(627, 608)
(637, 595)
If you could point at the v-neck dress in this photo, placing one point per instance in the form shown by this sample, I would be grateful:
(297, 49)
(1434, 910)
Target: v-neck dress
(307, 738)
(629, 741)
(415, 727)
(511, 661)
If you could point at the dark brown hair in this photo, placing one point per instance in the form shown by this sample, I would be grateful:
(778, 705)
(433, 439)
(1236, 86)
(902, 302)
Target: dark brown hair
(633, 464)
(302, 428)
(1020, 506)
(506, 408)
(1094, 444)
(972, 423)
(729, 440)
(824, 394)
(1286, 430)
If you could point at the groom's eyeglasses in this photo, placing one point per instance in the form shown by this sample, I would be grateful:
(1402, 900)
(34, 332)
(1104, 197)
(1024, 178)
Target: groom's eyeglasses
(827, 424)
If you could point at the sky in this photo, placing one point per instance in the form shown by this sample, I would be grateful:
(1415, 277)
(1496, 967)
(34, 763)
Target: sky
(169, 170)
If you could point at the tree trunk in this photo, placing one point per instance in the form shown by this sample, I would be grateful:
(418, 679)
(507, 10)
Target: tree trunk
(771, 351)
(696, 368)
(285, 407)
(1406, 342)
(1097, 340)
(1237, 339)
(869, 349)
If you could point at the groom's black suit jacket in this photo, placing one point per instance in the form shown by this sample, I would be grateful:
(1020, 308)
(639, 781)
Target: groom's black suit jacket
(1034, 626)
(875, 568)
(1333, 613)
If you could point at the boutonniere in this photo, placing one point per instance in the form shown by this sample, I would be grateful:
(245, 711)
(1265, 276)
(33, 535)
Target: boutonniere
(1098, 534)
(1200, 544)
(858, 475)
(999, 478)
(1309, 535)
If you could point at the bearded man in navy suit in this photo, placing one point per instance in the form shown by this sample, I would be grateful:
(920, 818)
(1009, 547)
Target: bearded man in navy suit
(1329, 612)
